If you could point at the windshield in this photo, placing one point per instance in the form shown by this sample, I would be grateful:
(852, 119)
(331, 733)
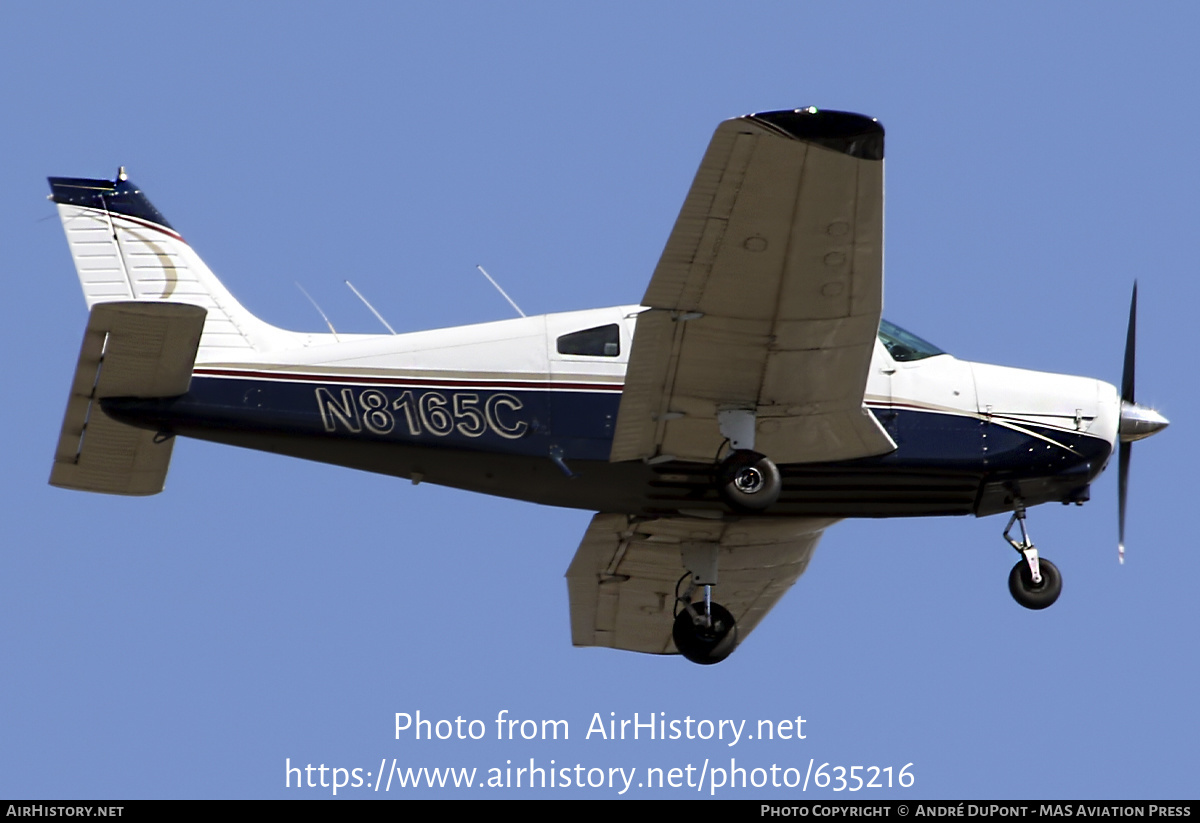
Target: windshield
(905, 346)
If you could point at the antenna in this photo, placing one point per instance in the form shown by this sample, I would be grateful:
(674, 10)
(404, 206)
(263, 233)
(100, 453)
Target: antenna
(378, 316)
(502, 292)
(318, 308)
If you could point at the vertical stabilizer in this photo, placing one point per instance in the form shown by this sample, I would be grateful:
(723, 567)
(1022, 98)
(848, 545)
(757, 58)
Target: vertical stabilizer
(124, 249)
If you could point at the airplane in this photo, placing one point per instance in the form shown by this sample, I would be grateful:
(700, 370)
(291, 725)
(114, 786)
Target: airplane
(754, 397)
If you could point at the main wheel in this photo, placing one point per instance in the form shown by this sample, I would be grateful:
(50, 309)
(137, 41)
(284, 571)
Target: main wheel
(705, 644)
(749, 481)
(1029, 594)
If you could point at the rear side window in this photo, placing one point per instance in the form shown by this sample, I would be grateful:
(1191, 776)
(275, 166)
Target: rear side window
(602, 341)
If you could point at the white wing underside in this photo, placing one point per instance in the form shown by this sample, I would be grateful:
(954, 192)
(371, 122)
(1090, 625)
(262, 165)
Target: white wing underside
(767, 298)
(622, 582)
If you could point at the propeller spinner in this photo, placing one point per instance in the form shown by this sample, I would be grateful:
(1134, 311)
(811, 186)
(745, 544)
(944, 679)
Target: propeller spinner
(1137, 422)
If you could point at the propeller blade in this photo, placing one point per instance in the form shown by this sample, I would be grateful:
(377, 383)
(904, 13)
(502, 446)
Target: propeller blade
(1136, 423)
(1126, 449)
(1130, 346)
(1123, 455)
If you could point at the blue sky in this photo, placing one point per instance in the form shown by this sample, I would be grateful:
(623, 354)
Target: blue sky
(260, 610)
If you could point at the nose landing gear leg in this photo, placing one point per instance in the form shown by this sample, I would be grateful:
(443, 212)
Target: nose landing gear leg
(1034, 582)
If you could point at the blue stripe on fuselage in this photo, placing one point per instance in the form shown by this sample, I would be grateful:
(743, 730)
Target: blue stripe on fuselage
(508, 419)
(932, 439)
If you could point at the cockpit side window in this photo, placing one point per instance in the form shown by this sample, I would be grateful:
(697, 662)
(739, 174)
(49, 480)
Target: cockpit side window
(602, 341)
(905, 346)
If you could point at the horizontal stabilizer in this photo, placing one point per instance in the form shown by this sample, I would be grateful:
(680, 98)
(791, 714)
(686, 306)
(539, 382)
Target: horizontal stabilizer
(130, 349)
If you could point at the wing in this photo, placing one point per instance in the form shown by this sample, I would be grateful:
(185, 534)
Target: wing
(767, 297)
(623, 578)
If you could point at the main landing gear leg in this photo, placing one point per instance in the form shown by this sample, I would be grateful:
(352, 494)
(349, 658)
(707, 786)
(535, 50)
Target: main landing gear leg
(1034, 582)
(704, 632)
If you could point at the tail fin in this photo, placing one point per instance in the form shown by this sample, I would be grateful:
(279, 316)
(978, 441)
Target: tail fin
(124, 249)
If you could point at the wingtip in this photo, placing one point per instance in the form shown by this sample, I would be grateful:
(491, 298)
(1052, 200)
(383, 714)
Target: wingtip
(854, 134)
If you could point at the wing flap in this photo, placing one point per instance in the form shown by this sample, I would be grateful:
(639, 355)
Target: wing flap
(622, 579)
(130, 349)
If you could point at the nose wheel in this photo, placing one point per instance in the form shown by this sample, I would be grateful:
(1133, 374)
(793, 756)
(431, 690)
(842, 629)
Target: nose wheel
(1035, 595)
(1034, 582)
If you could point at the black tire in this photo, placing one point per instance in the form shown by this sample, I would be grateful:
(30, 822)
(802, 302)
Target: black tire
(748, 481)
(1029, 595)
(705, 644)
